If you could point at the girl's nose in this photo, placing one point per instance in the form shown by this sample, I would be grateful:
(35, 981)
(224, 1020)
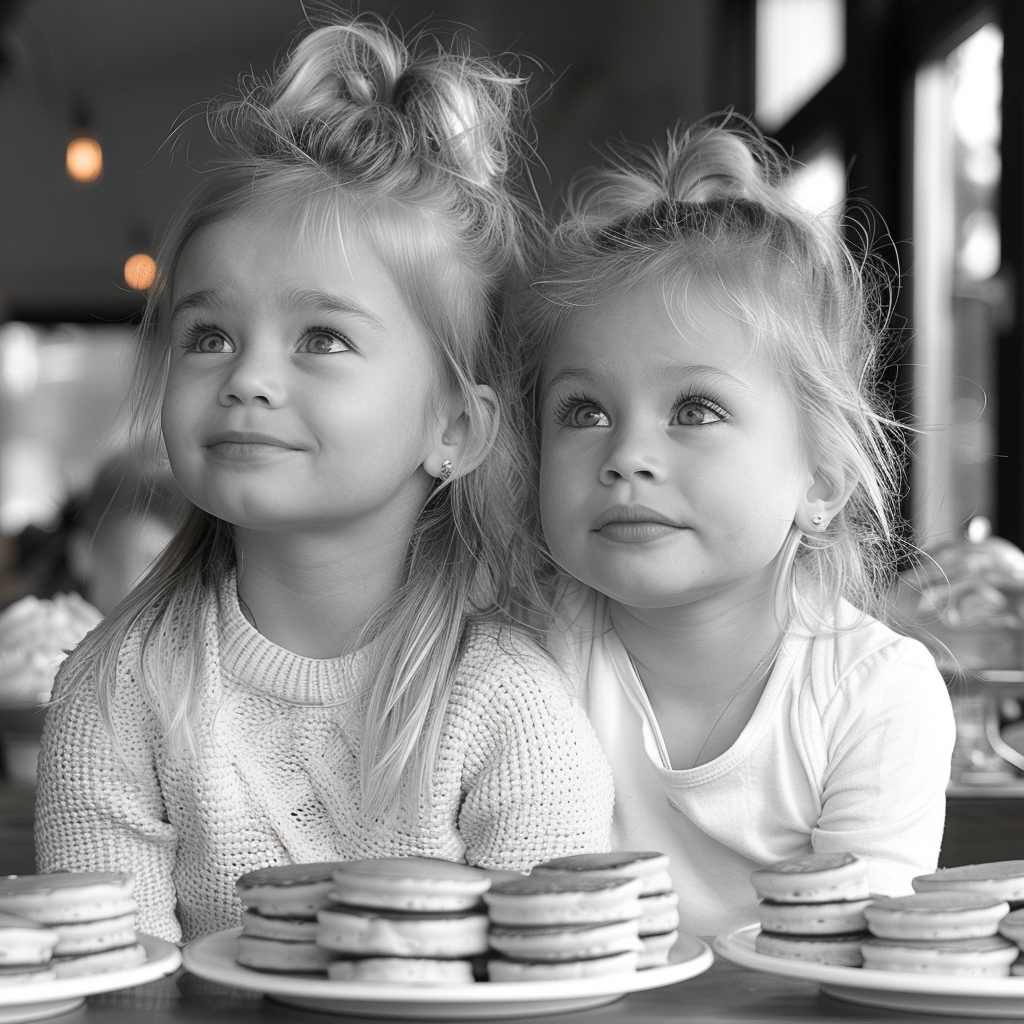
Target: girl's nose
(633, 457)
(253, 380)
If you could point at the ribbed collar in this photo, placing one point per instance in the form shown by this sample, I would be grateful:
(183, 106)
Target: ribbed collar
(249, 659)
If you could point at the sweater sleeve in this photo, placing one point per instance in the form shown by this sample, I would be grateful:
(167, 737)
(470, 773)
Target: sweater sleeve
(889, 731)
(536, 782)
(99, 806)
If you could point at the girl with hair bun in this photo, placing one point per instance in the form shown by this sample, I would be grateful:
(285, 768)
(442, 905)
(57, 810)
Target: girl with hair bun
(324, 662)
(717, 477)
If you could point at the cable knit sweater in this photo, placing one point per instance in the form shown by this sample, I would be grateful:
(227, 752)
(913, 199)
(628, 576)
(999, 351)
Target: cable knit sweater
(273, 778)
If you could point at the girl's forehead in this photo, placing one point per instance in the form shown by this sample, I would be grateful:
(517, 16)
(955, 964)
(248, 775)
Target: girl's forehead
(650, 325)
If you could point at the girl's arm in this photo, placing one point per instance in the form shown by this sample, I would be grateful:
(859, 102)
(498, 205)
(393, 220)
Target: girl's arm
(536, 782)
(890, 733)
(99, 808)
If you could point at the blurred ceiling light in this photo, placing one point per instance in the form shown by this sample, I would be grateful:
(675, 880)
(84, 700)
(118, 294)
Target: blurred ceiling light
(84, 159)
(139, 271)
(800, 45)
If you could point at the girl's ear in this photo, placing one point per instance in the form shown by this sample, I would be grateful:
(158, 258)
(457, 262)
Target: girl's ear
(824, 500)
(467, 436)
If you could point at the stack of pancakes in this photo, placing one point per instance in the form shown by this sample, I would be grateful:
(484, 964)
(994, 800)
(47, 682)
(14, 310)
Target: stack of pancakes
(92, 915)
(562, 924)
(405, 919)
(812, 908)
(279, 925)
(658, 926)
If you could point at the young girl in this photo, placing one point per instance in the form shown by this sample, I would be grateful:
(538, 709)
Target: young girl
(716, 480)
(320, 666)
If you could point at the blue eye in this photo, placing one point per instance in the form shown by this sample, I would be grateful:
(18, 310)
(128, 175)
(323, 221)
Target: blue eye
(697, 412)
(322, 341)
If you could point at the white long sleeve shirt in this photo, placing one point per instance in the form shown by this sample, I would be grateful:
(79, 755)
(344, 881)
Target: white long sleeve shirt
(848, 749)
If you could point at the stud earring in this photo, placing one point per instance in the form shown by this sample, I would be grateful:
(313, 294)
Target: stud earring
(446, 471)
(816, 521)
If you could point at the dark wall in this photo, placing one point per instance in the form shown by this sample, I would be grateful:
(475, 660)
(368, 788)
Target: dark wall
(600, 70)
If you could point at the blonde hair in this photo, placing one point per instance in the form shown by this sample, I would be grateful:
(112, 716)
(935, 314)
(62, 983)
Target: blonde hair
(709, 220)
(415, 147)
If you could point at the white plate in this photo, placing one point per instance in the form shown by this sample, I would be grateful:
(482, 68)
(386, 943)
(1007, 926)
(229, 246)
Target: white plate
(213, 958)
(897, 990)
(33, 1000)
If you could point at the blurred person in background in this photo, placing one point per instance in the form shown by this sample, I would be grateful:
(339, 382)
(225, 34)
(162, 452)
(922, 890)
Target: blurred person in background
(77, 573)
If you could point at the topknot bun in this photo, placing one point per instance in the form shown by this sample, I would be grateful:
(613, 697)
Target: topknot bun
(354, 99)
(727, 159)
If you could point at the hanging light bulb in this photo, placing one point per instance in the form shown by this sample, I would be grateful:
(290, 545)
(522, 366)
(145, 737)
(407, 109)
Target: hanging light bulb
(83, 159)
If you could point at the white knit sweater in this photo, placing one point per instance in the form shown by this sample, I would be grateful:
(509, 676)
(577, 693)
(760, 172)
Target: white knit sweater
(274, 778)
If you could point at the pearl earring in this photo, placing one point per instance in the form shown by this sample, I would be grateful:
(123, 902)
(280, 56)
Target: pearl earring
(816, 521)
(446, 470)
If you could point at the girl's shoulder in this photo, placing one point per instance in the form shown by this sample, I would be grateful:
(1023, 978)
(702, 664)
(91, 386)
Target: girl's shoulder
(862, 656)
(499, 660)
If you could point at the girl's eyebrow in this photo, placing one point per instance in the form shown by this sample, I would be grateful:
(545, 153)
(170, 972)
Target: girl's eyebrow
(568, 373)
(688, 374)
(324, 302)
(296, 298)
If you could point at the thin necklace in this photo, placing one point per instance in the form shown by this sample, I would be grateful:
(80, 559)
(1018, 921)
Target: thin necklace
(757, 673)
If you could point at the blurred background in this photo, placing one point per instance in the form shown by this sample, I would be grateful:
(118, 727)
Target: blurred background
(905, 116)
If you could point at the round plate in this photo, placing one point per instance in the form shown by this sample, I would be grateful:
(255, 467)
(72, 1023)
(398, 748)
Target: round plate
(213, 958)
(34, 1000)
(955, 994)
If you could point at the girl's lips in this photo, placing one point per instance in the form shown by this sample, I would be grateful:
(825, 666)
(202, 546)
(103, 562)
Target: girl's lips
(634, 524)
(256, 448)
(637, 532)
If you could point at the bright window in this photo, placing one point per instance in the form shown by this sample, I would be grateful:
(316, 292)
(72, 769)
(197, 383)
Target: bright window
(801, 44)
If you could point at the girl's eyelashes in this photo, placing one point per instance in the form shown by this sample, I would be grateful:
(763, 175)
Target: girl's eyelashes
(314, 340)
(579, 411)
(697, 411)
(206, 338)
(324, 341)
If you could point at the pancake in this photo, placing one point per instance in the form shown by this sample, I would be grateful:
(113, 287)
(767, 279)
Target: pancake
(564, 898)
(500, 970)
(99, 963)
(1002, 879)
(936, 915)
(287, 890)
(94, 936)
(813, 878)
(554, 943)
(837, 918)
(63, 897)
(989, 956)
(24, 942)
(282, 929)
(647, 865)
(279, 957)
(362, 932)
(837, 950)
(410, 883)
